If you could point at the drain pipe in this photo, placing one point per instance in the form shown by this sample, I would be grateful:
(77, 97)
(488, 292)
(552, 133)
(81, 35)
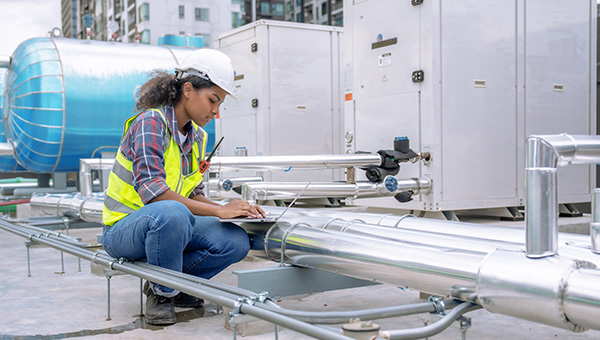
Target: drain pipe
(543, 156)
(430, 330)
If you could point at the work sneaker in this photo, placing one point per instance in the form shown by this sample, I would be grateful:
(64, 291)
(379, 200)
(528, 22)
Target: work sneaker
(181, 300)
(184, 300)
(160, 310)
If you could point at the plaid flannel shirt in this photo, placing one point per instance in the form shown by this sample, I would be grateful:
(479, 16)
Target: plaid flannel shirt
(143, 145)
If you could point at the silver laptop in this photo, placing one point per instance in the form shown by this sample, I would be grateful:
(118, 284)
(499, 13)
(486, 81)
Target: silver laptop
(270, 218)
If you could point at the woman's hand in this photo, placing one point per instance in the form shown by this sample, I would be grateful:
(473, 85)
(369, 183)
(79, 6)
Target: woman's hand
(239, 208)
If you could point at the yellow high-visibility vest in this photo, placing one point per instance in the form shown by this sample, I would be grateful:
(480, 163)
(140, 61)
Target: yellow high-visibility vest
(121, 199)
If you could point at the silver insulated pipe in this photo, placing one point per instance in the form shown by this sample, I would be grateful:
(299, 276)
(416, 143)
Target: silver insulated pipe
(543, 156)
(388, 187)
(444, 271)
(87, 208)
(447, 258)
(551, 290)
(86, 165)
(483, 264)
(295, 162)
(298, 162)
(555, 290)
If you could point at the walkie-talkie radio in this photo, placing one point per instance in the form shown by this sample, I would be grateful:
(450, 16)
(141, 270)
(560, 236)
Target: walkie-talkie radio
(206, 163)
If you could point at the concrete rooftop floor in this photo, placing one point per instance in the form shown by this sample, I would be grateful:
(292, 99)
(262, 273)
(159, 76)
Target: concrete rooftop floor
(55, 305)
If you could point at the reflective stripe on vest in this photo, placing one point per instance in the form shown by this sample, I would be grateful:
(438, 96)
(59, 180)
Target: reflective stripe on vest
(121, 199)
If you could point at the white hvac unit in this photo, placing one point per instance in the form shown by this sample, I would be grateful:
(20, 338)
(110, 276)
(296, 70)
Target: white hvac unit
(468, 81)
(289, 94)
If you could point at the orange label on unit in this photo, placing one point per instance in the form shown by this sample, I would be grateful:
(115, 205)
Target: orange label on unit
(348, 96)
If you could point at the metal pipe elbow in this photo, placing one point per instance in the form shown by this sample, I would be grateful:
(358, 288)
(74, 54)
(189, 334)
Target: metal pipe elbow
(540, 153)
(551, 151)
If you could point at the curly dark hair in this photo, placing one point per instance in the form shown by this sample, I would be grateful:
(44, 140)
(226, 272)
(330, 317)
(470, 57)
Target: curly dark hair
(164, 89)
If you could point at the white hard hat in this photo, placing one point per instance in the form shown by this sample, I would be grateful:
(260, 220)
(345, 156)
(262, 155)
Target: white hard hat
(210, 63)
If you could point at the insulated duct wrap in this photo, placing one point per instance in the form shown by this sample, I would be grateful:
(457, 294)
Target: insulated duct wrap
(511, 284)
(581, 299)
(440, 257)
(447, 272)
(543, 156)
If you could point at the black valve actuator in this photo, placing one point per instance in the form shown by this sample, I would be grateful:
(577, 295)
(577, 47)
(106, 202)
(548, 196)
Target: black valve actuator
(390, 160)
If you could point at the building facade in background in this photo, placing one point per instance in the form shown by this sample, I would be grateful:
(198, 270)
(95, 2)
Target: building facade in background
(264, 9)
(70, 18)
(320, 12)
(73, 13)
(145, 21)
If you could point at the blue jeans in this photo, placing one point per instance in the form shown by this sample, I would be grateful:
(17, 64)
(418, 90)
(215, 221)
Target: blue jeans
(168, 235)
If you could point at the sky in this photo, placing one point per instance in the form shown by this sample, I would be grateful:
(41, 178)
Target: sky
(24, 19)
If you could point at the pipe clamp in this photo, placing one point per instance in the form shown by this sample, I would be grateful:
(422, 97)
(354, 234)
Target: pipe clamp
(438, 304)
(236, 308)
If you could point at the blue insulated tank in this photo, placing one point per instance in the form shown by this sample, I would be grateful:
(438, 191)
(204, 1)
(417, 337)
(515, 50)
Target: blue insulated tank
(67, 99)
(7, 163)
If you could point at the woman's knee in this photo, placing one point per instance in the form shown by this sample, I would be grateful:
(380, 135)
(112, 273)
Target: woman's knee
(220, 238)
(173, 214)
(240, 242)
